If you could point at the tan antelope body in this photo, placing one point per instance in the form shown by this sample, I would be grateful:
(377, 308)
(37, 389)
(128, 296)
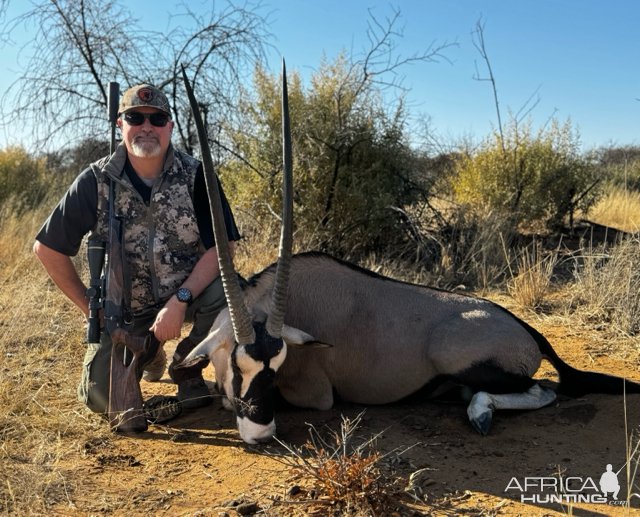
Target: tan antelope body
(386, 340)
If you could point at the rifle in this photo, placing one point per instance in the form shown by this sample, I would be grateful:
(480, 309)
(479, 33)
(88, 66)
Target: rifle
(106, 291)
(96, 248)
(125, 398)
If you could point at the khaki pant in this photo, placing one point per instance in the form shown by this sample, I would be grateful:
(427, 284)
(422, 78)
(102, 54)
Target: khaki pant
(93, 389)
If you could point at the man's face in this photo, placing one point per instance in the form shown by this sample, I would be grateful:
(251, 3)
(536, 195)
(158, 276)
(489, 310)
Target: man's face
(145, 140)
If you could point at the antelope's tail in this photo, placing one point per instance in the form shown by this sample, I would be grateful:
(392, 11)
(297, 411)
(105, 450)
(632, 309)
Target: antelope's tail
(574, 382)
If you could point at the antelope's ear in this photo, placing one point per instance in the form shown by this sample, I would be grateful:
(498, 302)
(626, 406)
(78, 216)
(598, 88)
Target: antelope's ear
(207, 347)
(192, 360)
(296, 338)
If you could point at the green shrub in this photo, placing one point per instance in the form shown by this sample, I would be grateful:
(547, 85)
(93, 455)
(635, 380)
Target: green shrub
(352, 165)
(22, 178)
(528, 177)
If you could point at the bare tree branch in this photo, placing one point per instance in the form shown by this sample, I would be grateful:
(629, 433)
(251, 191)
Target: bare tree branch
(376, 69)
(479, 44)
(4, 4)
(81, 45)
(382, 60)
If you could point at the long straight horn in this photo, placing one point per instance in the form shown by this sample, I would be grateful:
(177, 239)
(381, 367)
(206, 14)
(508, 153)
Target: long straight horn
(281, 284)
(240, 318)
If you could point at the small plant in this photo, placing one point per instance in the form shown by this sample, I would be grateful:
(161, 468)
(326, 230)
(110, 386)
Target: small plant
(347, 478)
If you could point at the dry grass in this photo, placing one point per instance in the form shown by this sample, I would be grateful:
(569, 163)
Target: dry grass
(619, 209)
(41, 351)
(632, 468)
(530, 286)
(607, 287)
(414, 274)
(256, 250)
(40, 336)
(476, 252)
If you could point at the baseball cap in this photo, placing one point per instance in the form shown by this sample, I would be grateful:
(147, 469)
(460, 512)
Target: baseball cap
(144, 95)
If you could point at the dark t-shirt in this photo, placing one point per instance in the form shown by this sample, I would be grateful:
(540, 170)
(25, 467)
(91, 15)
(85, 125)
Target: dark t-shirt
(76, 214)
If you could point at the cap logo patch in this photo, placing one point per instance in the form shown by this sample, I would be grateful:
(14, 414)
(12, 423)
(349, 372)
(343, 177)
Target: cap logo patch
(145, 94)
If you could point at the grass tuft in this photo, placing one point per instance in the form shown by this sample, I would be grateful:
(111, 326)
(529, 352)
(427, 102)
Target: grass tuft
(345, 477)
(607, 287)
(530, 286)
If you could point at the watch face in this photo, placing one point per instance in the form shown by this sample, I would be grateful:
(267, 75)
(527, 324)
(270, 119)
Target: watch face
(184, 295)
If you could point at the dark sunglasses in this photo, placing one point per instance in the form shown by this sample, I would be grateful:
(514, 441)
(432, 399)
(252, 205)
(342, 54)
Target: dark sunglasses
(135, 118)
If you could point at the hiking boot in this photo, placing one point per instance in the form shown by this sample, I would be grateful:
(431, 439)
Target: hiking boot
(192, 390)
(154, 370)
(194, 393)
(160, 408)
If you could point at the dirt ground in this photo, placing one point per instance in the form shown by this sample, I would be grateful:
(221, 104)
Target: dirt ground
(197, 465)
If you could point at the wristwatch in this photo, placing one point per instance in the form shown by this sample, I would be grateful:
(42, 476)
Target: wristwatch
(184, 295)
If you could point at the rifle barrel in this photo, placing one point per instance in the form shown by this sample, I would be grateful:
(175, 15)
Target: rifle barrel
(112, 112)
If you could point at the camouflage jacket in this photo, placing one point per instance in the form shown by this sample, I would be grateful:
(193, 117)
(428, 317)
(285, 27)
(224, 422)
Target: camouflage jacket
(161, 241)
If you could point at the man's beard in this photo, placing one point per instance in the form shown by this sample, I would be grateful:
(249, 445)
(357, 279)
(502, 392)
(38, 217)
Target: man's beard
(145, 147)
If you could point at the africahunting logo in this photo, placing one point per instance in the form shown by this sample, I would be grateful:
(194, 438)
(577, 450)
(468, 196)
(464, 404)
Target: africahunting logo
(572, 489)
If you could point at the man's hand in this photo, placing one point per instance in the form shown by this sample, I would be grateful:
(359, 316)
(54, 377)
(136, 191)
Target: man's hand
(169, 321)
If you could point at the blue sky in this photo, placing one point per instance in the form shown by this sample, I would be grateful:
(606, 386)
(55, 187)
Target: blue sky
(581, 56)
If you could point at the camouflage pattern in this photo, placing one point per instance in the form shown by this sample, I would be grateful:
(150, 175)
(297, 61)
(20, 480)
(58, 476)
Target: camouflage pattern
(143, 95)
(161, 241)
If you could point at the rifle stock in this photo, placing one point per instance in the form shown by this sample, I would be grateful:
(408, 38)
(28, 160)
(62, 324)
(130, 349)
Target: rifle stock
(125, 398)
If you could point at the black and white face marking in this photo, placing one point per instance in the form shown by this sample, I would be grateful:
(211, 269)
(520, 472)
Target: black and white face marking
(253, 370)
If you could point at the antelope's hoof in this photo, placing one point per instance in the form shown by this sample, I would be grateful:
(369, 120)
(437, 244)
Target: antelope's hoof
(482, 422)
(480, 412)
